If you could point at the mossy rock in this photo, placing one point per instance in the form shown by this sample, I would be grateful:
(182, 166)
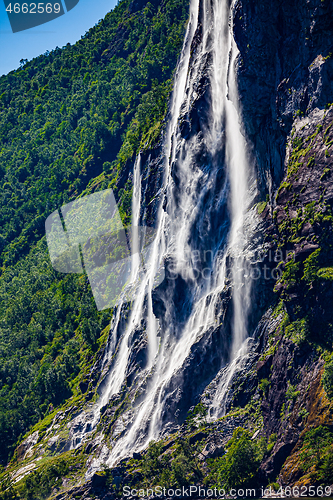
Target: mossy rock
(298, 331)
(325, 273)
(261, 207)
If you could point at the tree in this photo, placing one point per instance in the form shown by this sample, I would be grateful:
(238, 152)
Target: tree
(238, 467)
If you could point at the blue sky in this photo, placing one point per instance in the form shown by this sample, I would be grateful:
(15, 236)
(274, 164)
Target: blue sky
(35, 41)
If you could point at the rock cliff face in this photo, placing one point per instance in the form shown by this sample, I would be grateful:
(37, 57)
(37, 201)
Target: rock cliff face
(284, 69)
(285, 74)
(285, 79)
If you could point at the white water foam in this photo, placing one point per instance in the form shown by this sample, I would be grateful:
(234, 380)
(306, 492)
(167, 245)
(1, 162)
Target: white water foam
(199, 195)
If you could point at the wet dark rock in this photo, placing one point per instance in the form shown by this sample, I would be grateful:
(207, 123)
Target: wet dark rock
(98, 480)
(197, 437)
(282, 70)
(117, 480)
(264, 367)
(90, 447)
(83, 385)
(273, 465)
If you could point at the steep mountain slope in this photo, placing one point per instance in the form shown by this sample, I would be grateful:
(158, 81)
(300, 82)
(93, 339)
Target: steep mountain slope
(71, 121)
(281, 391)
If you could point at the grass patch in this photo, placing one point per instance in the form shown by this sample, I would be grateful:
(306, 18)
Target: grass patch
(261, 207)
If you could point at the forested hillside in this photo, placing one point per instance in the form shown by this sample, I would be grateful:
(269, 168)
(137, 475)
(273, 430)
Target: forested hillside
(70, 120)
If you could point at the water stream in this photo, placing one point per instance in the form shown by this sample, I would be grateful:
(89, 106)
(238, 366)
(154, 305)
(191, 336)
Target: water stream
(200, 229)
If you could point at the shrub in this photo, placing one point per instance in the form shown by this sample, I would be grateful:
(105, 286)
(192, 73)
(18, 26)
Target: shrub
(271, 442)
(239, 466)
(261, 207)
(311, 266)
(292, 393)
(184, 467)
(177, 470)
(264, 385)
(197, 415)
(7, 491)
(326, 468)
(39, 484)
(289, 275)
(153, 463)
(328, 380)
(317, 446)
(298, 331)
(325, 273)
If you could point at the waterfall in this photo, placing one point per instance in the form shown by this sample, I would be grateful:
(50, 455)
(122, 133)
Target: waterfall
(200, 229)
(241, 196)
(136, 205)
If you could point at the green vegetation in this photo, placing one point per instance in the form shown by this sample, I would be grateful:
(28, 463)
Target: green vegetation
(308, 279)
(153, 464)
(283, 412)
(317, 454)
(49, 332)
(291, 393)
(39, 484)
(71, 123)
(264, 385)
(198, 414)
(7, 491)
(298, 331)
(182, 463)
(284, 185)
(311, 265)
(68, 113)
(303, 413)
(314, 213)
(178, 468)
(300, 152)
(328, 379)
(271, 442)
(289, 275)
(279, 309)
(271, 349)
(239, 466)
(184, 466)
(311, 162)
(261, 207)
(327, 171)
(325, 273)
(305, 287)
(312, 319)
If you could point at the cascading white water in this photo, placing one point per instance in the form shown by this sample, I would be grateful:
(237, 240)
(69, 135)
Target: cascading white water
(240, 200)
(191, 204)
(236, 158)
(136, 205)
